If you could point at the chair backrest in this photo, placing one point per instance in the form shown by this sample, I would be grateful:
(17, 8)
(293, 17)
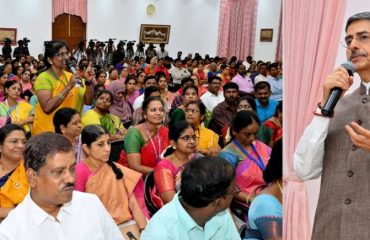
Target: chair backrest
(148, 186)
(116, 149)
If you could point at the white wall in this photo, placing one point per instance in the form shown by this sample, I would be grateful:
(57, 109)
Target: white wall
(32, 20)
(193, 23)
(268, 17)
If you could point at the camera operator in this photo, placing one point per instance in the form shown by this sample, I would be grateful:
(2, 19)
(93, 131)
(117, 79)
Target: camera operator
(109, 49)
(162, 53)
(22, 48)
(150, 51)
(140, 49)
(130, 49)
(79, 52)
(7, 49)
(119, 54)
(99, 53)
(91, 53)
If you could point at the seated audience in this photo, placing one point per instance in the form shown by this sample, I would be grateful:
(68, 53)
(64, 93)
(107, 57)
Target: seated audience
(111, 182)
(207, 143)
(266, 106)
(120, 106)
(131, 93)
(100, 115)
(167, 173)
(213, 96)
(200, 209)
(145, 142)
(51, 209)
(275, 123)
(67, 121)
(151, 91)
(190, 93)
(148, 81)
(15, 110)
(248, 155)
(244, 82)
(265, 213)
(276, 83)
(179, 98)
(13, 181)
(3, 80)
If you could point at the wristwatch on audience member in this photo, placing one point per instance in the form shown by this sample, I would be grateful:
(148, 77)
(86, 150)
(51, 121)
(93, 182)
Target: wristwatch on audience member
(88, 82)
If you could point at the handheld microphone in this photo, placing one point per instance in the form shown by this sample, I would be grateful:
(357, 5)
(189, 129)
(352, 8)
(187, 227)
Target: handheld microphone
(131, 236)
(73, 70)
(336, 92)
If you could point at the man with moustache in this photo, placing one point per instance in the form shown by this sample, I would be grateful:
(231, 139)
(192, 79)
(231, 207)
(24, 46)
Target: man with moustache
(325, 148)
(266, 107)
(244, 82)
(52, 210)
(224, 111)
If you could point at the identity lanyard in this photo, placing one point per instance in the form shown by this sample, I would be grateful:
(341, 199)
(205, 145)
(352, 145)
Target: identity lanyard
(259, 162)
(57, 78)
(157, 154)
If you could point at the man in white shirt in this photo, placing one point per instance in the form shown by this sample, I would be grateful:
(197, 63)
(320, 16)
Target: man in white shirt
(52, 210)
(148, 81)
(213, 96)
(326, 149)
(262, 76)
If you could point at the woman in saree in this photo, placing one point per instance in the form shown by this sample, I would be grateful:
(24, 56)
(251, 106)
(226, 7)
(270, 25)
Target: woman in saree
(145, 142)
(168, 171)
(13, 181)
(190, 93)
(100, 115)
(13, 110)
(207, 139)
(247, 154)
(112, 183)
(56, 88)
(275, 123)
(266, 212)
(67, 121)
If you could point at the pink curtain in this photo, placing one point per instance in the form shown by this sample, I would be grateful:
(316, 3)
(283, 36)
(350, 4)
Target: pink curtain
(279, 45)
(236, 28)
(311, 38)
(73, 7)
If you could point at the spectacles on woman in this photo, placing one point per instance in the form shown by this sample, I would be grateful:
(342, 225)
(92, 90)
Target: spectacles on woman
(187, 138)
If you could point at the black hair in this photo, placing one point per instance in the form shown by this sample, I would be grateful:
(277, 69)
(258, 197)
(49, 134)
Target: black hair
(62, 117)
(97, 74)
(230, 85)
(186, 80)
(7, 129)
(51, 48)
(105, 91)
(358, 16)
(243, 119)
(148, 100)
(149, 90)
(273, 65)
(10, 83)
(90, 134)
(249, 99)
(130, 77)
(279, 108)
(210, 80)
(204, 180)
(200, 104)
(262, 85)
(147, 78)
(97, 86)
(176, 129)
(189, 87)
(274, 167)
(42, 146)
(158, 76)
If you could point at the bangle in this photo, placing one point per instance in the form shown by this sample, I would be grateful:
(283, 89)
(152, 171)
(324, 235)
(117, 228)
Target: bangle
(61, 96)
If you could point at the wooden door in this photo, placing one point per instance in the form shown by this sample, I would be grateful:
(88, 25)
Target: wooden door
(70, 29)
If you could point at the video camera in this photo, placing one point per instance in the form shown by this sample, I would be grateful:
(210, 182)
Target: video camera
(92, 43)
(151, 46)
(7, 41)
(25, 41)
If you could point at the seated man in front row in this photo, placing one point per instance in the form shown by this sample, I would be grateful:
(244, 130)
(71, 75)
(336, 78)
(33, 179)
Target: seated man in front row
(199, 211)
(52, 210)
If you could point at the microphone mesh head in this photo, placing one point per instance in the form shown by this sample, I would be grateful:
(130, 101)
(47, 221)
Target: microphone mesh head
(349, 67)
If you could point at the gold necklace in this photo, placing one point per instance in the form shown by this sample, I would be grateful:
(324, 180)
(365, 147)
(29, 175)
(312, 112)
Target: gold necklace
(177, 161)
(281, 189)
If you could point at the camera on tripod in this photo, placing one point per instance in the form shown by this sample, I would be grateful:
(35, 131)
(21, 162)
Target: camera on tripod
(25, 41)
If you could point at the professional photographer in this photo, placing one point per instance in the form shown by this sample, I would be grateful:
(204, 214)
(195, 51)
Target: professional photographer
(79, 52)
(130, 49)
(22, 48)
(150, 51)
(119, 54)
(91, 53)
(99, 51)
(140, 49)
(7, 49)
(109, 49)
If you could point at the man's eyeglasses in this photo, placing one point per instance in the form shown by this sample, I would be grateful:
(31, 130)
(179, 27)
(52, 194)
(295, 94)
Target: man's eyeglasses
(363, 38)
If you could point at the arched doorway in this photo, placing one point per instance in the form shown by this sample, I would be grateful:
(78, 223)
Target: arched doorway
(69, 28)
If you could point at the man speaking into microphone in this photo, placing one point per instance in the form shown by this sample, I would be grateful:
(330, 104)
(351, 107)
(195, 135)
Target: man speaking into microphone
(326, 149)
